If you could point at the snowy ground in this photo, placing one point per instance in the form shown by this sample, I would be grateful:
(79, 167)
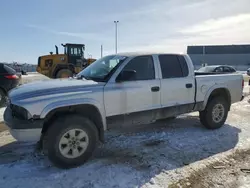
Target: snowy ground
(153, 155)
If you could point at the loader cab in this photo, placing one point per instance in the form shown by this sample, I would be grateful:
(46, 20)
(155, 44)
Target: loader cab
(74, 52)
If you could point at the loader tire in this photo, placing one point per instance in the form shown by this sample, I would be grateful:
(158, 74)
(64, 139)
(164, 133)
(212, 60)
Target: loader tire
(64, 73)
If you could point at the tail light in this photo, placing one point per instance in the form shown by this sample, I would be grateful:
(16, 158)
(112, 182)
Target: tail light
(242, 83)
(13, 76)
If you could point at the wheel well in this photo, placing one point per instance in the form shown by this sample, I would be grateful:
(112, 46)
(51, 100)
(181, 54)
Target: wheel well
(221, 92)
(86, 110)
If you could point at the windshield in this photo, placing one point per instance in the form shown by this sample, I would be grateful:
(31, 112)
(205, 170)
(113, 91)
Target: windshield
(101, 68)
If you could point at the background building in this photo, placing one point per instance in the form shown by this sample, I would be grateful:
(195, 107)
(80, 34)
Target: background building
(237, 56)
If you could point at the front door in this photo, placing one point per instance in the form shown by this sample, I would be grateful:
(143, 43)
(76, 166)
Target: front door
(134, 98)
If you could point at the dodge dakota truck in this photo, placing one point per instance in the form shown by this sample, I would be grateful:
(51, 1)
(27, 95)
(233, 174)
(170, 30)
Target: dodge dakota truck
(69, 116)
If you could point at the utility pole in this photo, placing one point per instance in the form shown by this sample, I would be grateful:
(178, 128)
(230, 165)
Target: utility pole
(116, 23)
(101, 50)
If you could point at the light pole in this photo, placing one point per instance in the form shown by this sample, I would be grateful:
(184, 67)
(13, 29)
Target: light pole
(101, 50)
(116, 23)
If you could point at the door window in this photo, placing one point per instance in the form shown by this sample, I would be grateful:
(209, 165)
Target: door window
(218, 69)
(171, 67)
(144, 67)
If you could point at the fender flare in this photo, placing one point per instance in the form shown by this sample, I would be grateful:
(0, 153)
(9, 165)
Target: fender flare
(70, 103)
(211, 89)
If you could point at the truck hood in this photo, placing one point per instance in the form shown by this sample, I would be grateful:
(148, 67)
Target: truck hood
(51, 87)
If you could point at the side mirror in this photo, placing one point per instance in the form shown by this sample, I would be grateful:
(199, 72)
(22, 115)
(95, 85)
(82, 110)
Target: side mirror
(126, 75)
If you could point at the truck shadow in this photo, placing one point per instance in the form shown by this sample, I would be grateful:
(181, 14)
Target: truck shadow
(16, 151)
(161, 147)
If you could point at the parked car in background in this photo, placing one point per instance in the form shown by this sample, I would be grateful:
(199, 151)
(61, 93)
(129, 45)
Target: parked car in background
(248, 71)
(9, 79)
(217, 69)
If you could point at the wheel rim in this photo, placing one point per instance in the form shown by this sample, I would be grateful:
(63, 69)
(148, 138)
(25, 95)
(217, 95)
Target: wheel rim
(218, 113)
(73, 143)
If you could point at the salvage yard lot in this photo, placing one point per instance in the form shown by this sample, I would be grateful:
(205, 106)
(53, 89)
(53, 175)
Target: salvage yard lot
(153, 155)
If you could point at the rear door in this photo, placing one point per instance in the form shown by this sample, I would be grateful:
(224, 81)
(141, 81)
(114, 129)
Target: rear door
(177, 83)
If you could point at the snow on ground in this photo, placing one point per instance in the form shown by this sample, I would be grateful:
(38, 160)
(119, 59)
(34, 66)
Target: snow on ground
(145, 156)
(34, 76)
(1, 114)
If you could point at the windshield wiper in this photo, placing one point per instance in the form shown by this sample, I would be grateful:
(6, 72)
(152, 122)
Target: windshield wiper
(91, 78)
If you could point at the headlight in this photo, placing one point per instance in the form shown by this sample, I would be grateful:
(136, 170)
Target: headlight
(20, 112)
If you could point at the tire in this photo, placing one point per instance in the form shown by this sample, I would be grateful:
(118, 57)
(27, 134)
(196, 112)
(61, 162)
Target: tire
(58, 134)
(64, 73)
(217, 120)
(2, 98)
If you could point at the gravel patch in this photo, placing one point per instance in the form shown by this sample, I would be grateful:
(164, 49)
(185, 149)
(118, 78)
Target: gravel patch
(232, 171)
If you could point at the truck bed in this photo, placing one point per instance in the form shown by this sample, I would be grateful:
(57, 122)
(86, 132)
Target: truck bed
(206, 82)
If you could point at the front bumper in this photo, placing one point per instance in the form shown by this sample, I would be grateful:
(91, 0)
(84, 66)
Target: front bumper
(23, 130)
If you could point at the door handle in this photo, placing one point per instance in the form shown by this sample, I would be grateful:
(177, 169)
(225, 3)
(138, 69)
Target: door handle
(189, 85)
(155, 88)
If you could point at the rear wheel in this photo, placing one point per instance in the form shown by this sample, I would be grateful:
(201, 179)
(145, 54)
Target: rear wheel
(215, 113)
(2, 98)
(70, 141)
(64, 73)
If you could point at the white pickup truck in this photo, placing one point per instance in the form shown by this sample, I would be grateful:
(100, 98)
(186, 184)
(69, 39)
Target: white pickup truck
(69, 116)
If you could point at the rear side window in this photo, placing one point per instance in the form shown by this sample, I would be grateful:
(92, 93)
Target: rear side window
(173, 66)
(230, 69)
(9, 70)
(144, 67)
(227, 69)
(218, 69)
(184, 66)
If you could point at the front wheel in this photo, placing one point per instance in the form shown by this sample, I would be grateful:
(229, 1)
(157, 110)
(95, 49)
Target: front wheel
(71, 141)
(215, 113)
